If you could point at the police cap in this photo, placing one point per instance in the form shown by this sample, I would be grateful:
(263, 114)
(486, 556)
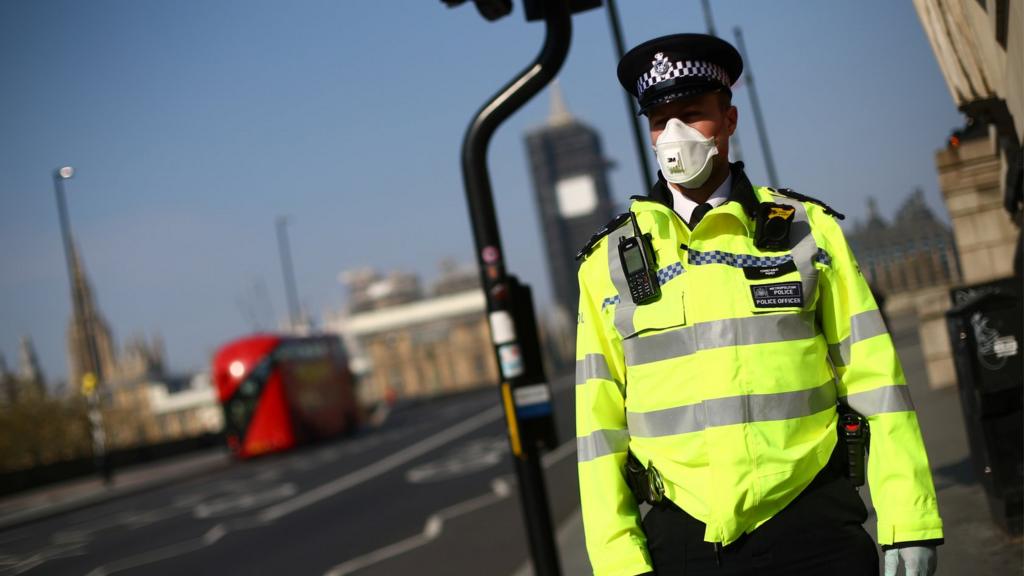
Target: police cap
(678, 66)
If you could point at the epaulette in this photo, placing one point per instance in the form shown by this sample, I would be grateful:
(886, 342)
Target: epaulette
(797, 196)
(610, 227)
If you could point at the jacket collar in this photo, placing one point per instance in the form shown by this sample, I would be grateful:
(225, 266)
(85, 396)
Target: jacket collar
(742, 191)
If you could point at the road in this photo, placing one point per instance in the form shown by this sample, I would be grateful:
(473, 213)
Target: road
(431, 491)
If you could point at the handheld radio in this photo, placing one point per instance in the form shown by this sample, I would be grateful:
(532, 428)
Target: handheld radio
(637, 257)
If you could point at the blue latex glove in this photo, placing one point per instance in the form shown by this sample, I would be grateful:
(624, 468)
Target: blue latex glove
(917, 560)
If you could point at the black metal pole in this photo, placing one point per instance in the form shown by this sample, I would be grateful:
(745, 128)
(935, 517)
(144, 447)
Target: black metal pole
(708, 20)
(755, 103)
(642, 145)
(735, 148)
(499, 287)
(83, 324)
(286, 270)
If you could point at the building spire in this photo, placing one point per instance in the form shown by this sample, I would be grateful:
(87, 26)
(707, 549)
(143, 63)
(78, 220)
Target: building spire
(7, 392)
(28, 365)
(875, 219)
(559, 111)
(29, 372)
(90, 325)
(81, 281)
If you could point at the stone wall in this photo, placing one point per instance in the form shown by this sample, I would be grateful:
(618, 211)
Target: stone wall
(970, 177)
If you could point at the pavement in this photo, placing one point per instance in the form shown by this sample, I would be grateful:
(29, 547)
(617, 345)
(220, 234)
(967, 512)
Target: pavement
(974, 545)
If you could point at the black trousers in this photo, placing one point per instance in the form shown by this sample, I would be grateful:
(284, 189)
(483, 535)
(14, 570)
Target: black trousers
(819, 533)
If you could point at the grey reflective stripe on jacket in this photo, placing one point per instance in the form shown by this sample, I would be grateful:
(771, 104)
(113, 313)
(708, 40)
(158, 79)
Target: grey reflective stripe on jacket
(688, 340)
(731, 410)
(601, 443)
(592, 366)
(864, 325)
(895, 398)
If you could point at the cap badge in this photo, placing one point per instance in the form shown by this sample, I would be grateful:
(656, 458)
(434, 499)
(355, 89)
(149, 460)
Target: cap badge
(661, 64)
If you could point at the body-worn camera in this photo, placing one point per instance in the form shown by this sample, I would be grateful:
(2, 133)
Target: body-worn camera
(771, 227)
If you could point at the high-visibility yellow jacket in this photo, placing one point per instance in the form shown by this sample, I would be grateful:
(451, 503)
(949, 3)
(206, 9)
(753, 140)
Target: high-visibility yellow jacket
(728, 383)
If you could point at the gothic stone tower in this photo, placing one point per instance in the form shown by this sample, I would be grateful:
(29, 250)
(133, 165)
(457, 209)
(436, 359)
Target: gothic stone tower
(573, 198)
(79, 359)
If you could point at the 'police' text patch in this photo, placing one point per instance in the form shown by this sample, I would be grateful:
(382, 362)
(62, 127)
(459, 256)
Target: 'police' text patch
(768, 272)
(782, 295)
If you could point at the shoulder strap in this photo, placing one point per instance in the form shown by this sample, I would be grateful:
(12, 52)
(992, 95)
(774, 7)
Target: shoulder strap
(610, 227)
(802, 198)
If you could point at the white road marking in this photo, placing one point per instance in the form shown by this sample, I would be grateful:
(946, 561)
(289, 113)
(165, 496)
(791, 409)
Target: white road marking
(470, 458)
(433, 528)
(379, 467)
(208, 539)
(33, 560)
(234, 503)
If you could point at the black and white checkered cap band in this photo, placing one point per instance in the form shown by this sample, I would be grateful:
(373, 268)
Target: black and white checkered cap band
(682, 69)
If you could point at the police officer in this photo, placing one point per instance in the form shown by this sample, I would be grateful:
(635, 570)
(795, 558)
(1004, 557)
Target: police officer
(722, 329)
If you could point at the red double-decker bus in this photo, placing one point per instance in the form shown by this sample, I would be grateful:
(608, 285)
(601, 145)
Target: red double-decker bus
(281, 391)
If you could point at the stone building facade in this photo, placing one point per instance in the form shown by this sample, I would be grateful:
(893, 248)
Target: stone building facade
(420, 344)
(428, 348)
(979, 46)
(986, 235)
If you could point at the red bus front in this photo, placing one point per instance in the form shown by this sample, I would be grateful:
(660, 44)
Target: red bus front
(280, 391)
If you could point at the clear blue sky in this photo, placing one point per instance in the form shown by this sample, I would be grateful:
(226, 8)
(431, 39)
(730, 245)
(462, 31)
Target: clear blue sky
(193, 125)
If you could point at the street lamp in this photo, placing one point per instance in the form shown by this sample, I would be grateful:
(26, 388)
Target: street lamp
(294, 315)
(92, 377)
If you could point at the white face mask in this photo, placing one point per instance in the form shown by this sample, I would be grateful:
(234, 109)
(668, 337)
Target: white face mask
(684, 154)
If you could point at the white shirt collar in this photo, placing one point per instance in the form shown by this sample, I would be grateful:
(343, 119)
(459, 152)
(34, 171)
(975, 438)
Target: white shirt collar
(684, 206)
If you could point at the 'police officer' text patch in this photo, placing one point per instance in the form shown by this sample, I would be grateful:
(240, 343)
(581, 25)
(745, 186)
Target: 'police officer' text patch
(782, 295)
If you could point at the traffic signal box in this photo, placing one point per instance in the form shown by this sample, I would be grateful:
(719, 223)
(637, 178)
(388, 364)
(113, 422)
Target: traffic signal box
(525, 390)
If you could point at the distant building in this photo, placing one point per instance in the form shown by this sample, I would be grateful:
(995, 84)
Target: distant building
(912, 252)
(138, 360)
(573, 197)
(30, 374)
(8, 391)
(185, 406)
(403, 343)
(141, 403)
(28, 381)
(368, 290)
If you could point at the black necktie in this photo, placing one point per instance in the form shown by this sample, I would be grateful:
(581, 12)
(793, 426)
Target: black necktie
(698, 214)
